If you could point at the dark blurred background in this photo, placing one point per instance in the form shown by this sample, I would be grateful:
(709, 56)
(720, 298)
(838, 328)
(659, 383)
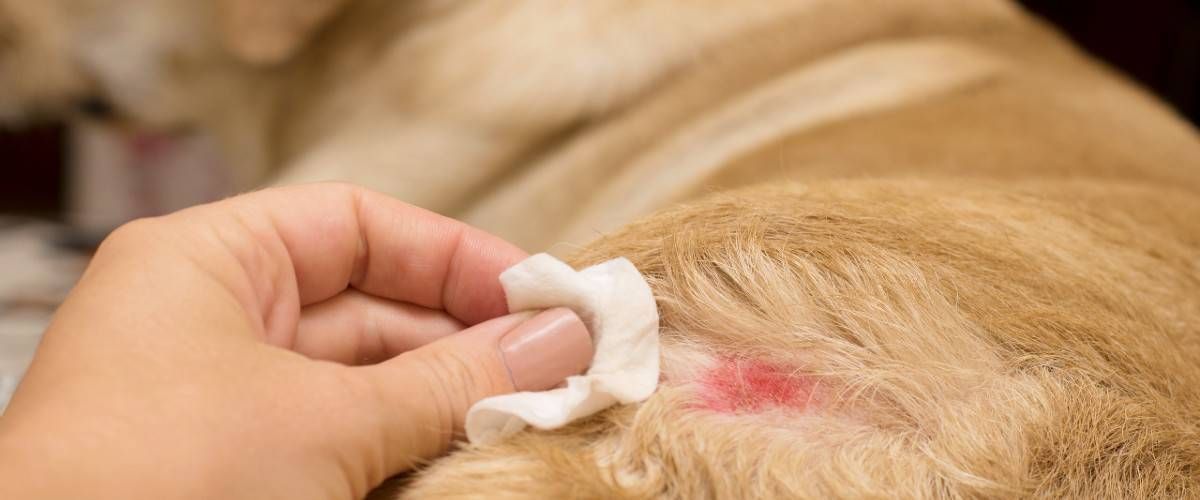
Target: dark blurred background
(1157, 42)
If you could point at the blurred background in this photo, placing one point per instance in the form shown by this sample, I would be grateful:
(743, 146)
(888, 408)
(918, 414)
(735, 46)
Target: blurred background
(62, 187)
(1157, 43)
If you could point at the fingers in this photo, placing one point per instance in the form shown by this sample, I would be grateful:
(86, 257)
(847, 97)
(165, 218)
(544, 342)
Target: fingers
(427, 392)
(354, 328)
(308, 243)
(339, 235)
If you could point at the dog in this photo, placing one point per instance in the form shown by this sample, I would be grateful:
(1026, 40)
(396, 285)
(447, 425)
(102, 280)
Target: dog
(324, 89)
(911, 248)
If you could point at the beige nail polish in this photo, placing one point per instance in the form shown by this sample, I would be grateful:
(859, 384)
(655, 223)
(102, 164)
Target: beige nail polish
(546, 349)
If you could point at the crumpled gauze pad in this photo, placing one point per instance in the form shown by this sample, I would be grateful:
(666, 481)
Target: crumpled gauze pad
(617, 306)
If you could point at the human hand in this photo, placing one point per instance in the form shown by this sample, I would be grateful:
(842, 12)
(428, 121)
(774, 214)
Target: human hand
(304, 342)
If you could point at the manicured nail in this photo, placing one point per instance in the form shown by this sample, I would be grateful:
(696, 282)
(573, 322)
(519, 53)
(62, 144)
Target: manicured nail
(546, 349)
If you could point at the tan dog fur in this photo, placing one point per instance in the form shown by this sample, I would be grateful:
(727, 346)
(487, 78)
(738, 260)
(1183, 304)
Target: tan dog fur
(982, 246)
(972, 339)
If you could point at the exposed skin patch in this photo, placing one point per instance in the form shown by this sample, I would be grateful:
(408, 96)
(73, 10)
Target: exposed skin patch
(737, 385)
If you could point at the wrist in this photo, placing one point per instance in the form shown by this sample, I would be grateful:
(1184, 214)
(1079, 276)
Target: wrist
(57, 465)
(30, 469)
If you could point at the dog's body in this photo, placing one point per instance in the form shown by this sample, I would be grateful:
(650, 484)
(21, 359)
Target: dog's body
(977, 274)
(549, 122)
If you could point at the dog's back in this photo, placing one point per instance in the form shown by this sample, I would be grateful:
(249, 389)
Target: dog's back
(974, 272)
(895, 339)
(905, 89)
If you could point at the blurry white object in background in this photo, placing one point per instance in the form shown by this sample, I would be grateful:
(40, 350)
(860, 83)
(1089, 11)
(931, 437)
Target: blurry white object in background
(37, 274)
(118, 175)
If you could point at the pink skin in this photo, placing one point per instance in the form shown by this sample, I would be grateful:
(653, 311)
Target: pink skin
(739, 385)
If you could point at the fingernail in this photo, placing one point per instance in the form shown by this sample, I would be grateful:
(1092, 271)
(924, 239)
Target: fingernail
(546, 349)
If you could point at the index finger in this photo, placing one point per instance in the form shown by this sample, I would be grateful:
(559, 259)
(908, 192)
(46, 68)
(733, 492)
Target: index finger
(338, 236)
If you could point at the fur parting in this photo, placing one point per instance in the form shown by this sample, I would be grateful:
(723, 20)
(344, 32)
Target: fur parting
(976, 340)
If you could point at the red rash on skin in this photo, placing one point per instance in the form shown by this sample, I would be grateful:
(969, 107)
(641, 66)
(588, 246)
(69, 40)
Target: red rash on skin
(750, 385)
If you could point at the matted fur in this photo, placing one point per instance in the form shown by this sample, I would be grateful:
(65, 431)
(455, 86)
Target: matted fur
(976, 340)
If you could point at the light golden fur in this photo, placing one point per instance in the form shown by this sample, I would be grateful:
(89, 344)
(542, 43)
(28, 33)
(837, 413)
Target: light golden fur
(991, 268)
(981, 246)
(976, 339)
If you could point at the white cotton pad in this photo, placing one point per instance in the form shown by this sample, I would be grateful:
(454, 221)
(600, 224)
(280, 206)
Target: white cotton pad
(616, 304)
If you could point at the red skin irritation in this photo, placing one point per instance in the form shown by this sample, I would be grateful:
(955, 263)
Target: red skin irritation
(736, 385)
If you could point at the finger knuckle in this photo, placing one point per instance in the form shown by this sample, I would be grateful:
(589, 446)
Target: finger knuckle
(455, 381)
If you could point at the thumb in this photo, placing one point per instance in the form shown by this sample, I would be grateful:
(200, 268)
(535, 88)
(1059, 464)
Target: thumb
(426, 392)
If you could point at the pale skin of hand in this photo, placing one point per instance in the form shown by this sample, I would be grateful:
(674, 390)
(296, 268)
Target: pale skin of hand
(303, 342)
